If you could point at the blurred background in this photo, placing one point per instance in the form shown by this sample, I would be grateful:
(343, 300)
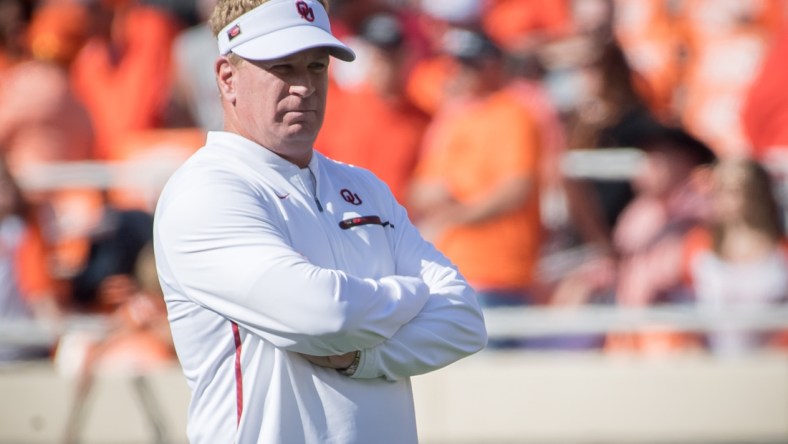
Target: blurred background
(611, 175)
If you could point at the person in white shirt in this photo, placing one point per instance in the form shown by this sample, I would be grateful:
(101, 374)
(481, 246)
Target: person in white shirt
(301, 298)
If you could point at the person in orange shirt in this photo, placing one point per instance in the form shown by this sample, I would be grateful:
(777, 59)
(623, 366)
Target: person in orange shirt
(373, 125)
(475, 193)
(123, 74)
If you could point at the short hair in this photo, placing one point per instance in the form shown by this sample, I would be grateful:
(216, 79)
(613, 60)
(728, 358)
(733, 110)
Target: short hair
(674, 139)
(228, 10)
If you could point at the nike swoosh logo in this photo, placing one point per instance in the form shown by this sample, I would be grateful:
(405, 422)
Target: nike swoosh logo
(281, 196)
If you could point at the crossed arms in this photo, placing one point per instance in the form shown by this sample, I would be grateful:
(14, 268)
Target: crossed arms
(224, 250)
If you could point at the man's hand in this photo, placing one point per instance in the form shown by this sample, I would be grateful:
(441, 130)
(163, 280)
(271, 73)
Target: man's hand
(337, 362)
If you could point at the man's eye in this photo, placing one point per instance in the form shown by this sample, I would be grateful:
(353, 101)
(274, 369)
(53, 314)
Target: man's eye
(281, 69)
(318, 66)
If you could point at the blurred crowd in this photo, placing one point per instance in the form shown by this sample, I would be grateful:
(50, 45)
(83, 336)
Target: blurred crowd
(467, 109)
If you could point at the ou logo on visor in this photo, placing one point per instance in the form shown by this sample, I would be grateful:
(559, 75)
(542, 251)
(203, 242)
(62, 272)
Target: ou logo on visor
(305, 11)
(350, 197)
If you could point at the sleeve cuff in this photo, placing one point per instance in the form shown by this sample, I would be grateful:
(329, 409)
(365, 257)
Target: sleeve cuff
(368, 367)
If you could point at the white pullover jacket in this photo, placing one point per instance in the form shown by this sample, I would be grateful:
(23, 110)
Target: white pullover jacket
(261, 260)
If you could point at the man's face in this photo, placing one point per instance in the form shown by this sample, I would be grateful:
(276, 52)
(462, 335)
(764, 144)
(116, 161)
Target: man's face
(280, 103)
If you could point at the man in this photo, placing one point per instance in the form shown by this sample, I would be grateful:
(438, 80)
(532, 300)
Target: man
(300, 296)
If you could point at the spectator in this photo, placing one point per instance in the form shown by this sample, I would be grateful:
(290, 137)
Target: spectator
(426, 86)
(137, 341)
(648, 238)
(375, 126)
(114, 247)
(670, 201)
(610, 113)
(740, 262)
(347, 17)
(139, 336)
(650, 235)
(123, 73)
(27, 291)
(476, 188)
(41, 119)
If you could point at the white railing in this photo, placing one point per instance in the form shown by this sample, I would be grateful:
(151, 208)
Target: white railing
(138, 174)
(613, 163)
(528, 322)
(150, 173)
(32, 332)
(607, 164)
(542, 321)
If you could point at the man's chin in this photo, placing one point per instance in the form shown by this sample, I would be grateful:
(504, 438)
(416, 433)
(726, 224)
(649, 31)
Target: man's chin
(300, 135)
(302, 130)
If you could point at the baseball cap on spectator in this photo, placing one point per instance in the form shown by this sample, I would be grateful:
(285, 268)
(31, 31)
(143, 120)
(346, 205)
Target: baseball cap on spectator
(382, 30)
(469, 47)
(676, 139)
(279, 28)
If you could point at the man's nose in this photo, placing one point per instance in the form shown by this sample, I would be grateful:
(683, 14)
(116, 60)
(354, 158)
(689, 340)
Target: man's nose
(302, 85)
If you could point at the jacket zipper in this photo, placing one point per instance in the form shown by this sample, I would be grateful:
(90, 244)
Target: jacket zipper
(314, 194)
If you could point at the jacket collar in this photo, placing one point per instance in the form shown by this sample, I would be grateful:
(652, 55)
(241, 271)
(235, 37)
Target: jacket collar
(256, 154)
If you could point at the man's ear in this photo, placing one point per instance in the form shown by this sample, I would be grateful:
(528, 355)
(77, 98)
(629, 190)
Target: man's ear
(225, 78)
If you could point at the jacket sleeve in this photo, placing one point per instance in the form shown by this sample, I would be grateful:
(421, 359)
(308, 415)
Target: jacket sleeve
(217, 244)
(449, 327)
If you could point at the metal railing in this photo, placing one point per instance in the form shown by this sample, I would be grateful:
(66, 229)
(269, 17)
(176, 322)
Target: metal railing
(543, 321)
(508, 322)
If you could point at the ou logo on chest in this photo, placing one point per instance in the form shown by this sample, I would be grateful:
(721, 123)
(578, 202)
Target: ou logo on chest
(350, 197)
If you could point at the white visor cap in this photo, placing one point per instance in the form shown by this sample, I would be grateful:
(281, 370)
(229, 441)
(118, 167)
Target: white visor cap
(279, 28)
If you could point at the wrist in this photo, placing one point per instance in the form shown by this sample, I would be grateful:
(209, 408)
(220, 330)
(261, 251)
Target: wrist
(351, 369)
